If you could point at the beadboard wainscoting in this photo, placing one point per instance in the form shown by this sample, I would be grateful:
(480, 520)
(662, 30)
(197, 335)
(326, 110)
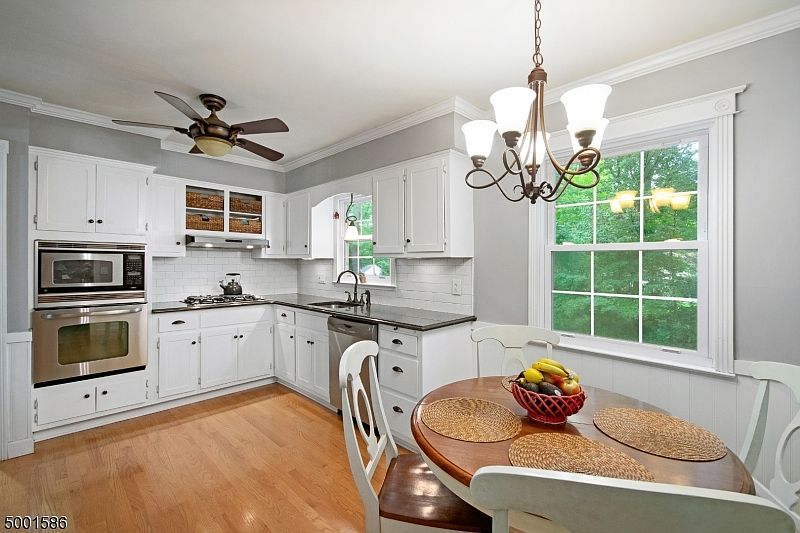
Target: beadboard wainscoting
(175, 278)
(419, 283)
(722, 404)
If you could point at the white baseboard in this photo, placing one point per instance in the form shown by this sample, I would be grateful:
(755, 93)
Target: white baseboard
(19, 448)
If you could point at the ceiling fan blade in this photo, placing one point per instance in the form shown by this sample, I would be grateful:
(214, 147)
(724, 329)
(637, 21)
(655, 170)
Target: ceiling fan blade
(180, 105)
(267, 125)
(148, 125)
(195, 150)
(263, 151)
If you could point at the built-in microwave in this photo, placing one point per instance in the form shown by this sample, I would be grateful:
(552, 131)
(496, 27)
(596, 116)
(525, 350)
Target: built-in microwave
(72, 274)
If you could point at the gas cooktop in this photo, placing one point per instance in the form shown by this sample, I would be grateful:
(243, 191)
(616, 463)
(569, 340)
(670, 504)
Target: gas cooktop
(218, 299)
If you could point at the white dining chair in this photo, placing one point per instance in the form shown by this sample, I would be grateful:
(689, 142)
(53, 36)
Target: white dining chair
(513, 339)
(766, 372)
(589, 504)
(411, 498)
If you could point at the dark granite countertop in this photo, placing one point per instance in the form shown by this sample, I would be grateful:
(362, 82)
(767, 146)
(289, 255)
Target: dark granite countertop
(404, 317)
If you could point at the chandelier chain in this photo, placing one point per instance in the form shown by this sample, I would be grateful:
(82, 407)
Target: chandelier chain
(537, 25)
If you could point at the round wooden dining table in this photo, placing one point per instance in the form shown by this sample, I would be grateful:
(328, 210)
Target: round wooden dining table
(454, 462)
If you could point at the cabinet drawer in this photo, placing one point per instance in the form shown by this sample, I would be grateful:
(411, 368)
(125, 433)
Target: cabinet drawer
(60, 402)
(315, 322)
(398, 372)
(398, 414)
(178, 321)
(120, 391)
(246, 314)
(284, 316)
(399, 342)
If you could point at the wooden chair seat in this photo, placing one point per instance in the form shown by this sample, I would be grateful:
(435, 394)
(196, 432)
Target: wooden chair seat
(412, 493)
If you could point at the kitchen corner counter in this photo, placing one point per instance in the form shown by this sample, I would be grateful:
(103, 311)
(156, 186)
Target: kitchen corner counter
(404, 317)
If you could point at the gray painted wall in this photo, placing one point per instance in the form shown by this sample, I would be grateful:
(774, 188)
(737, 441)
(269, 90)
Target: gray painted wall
(23, 129)
(425, 138)
(767, 218)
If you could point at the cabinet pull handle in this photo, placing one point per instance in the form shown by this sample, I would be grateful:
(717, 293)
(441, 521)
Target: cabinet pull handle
(397, 369)
(305, 246)
(397, 409)
(176, 322)
(194, 342)
(397, 341)
(87, 396)
(312, 343)
(408, 240)
(99, 220)
(308, 342)
(283, 315)
(374, 243)
(291, 336)
(178, 243)
(91, 221)
(104, 392)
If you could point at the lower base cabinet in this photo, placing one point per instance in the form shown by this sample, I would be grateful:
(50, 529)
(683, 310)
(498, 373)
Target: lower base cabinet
(178, 363)
(312, 362)
(218, 356)
(254, 351)
(285, 357)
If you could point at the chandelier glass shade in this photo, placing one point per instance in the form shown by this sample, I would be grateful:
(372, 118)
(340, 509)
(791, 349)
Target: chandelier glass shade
(519, 117)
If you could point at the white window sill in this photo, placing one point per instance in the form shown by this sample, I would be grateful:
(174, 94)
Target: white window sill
(686, 366)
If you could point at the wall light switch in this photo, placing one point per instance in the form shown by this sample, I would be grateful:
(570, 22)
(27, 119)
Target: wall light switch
(456, 287)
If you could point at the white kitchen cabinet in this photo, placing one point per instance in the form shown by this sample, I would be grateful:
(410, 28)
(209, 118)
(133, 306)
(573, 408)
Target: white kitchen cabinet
(275, 230)
(178, 363)
(255, 357)
(76, 193)
(312, 362)
(298, 224)
(65, 195)
(388, 230)
(285, 357)
(122, 390)
(166, 219)
(218, 356)
(121, 201)
(422, 208)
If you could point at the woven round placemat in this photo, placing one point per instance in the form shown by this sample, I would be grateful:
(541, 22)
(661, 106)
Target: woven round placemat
(471, 419)
(659, 434)
(573, 453)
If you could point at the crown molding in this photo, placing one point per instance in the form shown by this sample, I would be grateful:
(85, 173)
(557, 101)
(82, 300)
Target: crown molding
(455, 104)
(780, 22)
(183, 148)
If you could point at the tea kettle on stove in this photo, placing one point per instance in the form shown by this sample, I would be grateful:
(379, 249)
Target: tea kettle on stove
(232, 286)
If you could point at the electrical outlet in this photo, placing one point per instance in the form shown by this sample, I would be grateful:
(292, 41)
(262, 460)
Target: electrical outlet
(456, 289)
(322, 279)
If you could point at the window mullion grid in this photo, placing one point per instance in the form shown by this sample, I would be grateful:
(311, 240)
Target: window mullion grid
(591, 260)
(641, 240)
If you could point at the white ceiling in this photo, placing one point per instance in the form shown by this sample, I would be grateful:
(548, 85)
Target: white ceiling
(329, 69)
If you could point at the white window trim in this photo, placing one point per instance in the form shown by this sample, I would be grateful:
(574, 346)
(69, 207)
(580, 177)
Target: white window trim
(713, 113)
(338, 260)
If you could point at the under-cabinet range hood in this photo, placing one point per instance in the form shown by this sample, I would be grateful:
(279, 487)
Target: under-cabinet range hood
(193, 241)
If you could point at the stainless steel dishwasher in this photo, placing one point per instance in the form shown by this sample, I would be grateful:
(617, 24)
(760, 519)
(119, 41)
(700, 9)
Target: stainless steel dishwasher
(342, 333)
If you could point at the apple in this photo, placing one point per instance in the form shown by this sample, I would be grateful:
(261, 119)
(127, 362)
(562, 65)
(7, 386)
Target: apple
(552, 378)
(569, 386)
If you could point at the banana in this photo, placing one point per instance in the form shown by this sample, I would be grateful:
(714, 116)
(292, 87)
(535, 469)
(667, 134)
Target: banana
(552, 362)
(550, 369)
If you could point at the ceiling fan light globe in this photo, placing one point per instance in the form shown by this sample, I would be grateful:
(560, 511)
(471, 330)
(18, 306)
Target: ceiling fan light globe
(512, 107)
(213, 146)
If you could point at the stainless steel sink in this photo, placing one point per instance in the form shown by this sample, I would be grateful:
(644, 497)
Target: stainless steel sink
(336, 305)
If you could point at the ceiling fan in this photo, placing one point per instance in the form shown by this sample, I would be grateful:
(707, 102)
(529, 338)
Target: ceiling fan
(211, 135)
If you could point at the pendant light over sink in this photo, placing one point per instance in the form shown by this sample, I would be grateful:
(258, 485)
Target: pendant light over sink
(519, 117)
(351, 233)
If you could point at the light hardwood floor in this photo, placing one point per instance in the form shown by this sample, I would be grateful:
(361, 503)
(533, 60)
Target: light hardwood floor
(266, 459)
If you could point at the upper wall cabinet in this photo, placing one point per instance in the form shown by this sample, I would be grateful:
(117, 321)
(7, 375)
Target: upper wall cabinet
(167, 224)
(89, 195)
(298, 225)
(423, 208)
(221, 211)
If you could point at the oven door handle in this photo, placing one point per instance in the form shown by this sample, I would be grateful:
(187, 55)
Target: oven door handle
(54, 316)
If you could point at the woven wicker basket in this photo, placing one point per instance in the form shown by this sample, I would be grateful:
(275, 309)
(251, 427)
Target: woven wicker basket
(246, 205)
(205, 222)
(245, 225)
(548, 409)
(205, 201)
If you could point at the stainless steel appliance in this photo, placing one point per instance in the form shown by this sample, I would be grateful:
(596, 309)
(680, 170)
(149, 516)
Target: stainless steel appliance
(223, 299)
(84, 341)
(341, 334)
(72, 274)
(232, 287)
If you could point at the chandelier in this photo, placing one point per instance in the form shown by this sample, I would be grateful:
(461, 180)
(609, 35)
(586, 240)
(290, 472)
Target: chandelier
(519, 112)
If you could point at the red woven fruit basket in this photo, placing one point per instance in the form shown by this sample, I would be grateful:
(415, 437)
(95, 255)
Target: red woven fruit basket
(548, 409)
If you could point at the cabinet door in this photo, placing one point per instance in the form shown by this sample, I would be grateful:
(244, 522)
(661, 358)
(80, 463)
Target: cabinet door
(218, 356)
(388, 233)
(178, 363)
(121, 201)
(65, 194)
(321, 384)
(275, 230)
(59, 402)
(256, 351)
(425, 207)
(305, 361)
(298, 216)
(123, 390)
(285, 353)
(165, 207)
